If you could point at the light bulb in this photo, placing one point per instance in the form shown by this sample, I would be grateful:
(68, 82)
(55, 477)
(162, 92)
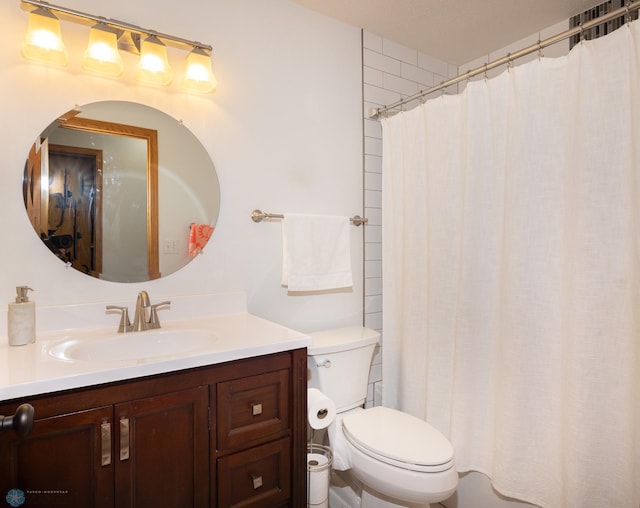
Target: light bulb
(43, 42)
(102, 53)
(198, 75)
(153, 67)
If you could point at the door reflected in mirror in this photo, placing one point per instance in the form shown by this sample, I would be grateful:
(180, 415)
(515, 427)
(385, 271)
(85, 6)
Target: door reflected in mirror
(116, 189)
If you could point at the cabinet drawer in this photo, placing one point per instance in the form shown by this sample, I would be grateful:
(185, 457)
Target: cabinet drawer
(252, 409)
(258, 477)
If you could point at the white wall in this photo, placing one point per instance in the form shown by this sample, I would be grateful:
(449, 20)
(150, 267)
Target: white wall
(284, 130)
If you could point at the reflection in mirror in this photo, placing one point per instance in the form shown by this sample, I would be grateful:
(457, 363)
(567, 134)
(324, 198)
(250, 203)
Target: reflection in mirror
(117, 190)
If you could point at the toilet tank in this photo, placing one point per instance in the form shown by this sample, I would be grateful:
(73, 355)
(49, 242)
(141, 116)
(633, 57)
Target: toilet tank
(339, 362)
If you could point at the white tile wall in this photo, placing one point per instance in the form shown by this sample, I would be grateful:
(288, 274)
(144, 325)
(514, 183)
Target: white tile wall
(390, 72)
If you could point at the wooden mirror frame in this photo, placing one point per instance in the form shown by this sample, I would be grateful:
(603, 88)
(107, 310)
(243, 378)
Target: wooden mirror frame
(151, 137)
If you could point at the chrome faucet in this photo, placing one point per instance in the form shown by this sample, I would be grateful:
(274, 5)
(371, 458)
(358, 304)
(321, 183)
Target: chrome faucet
(145, 317)
(143, 312)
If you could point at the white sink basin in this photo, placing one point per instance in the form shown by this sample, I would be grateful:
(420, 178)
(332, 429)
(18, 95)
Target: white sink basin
(150, 344)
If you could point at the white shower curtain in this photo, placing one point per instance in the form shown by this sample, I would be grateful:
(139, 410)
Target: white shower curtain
(511, 272)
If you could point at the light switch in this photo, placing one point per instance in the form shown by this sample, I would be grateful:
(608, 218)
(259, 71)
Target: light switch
(170, 246)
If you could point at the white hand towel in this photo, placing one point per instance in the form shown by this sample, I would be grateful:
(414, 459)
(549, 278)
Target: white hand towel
(316, 252)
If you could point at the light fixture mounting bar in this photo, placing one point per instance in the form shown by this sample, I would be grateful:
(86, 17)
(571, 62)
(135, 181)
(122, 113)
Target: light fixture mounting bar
(117, 24)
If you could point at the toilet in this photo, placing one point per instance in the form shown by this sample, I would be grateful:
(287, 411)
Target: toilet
(391, 458)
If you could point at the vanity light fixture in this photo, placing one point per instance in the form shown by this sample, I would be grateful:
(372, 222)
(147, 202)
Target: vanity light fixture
(44, 44)
(153, 67)
(102, 55)
(199, 77)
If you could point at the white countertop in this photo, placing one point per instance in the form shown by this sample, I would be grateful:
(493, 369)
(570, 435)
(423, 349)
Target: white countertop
(31, 370)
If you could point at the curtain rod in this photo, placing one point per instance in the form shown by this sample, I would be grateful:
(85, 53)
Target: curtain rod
(376, 113)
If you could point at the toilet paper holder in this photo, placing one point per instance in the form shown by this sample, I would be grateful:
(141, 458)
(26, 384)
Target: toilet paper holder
(319, 460)
(319, 457)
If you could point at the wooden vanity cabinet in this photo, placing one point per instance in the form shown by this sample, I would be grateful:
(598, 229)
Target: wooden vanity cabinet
(227, 435)
(161, 450)
(58, 463)
(253, 440)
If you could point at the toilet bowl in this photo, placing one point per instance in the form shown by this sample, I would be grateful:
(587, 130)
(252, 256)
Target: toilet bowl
(391, 459)
(400, 456)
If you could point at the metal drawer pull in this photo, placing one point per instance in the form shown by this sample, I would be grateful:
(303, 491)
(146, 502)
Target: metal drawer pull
(256, 409)
(124, 439)
(105, 441)
(257, 481)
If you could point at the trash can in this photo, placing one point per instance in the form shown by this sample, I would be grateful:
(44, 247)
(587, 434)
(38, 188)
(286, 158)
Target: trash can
(319, 460)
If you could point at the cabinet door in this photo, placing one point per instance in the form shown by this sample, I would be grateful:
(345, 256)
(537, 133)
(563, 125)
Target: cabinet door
(64, 461)
(162, 450)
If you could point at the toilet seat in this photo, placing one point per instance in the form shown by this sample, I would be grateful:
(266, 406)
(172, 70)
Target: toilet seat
(398, 439)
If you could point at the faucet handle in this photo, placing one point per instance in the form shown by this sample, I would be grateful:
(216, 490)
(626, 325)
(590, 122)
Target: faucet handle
(125, 325)
(154, 321)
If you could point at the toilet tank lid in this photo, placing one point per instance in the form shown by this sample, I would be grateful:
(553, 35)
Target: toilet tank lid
(341, 339)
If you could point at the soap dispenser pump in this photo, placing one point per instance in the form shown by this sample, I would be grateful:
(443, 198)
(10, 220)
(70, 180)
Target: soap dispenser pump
(21, 319)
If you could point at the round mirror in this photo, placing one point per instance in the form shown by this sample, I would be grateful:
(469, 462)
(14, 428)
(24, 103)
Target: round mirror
(121, 191)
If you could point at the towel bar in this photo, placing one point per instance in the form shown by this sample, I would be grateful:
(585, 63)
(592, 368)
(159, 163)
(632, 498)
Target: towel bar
(259, 216)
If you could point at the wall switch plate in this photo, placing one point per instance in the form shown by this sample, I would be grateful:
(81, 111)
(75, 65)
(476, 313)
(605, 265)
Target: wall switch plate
(170, 246)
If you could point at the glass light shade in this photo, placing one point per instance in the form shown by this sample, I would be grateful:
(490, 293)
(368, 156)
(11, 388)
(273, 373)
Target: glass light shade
(43, 42)
(153, 67)
(102, 54)
(198, 76)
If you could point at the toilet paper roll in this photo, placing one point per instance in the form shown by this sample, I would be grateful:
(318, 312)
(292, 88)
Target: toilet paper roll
(321, 410)
(318, 484)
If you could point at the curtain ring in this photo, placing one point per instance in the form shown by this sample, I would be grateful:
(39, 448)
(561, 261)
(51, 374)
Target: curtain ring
(509, 62)
(540, 52)
(485, 70)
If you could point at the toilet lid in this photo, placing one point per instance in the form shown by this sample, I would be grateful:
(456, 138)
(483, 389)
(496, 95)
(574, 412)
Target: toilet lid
(398, 439)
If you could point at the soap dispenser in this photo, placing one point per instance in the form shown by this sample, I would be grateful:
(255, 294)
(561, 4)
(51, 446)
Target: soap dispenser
(21, 319)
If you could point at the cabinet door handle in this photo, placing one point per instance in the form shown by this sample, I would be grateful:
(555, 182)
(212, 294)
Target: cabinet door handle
(124, 439)
(256, 409)
(105, 443)
(257, 481)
